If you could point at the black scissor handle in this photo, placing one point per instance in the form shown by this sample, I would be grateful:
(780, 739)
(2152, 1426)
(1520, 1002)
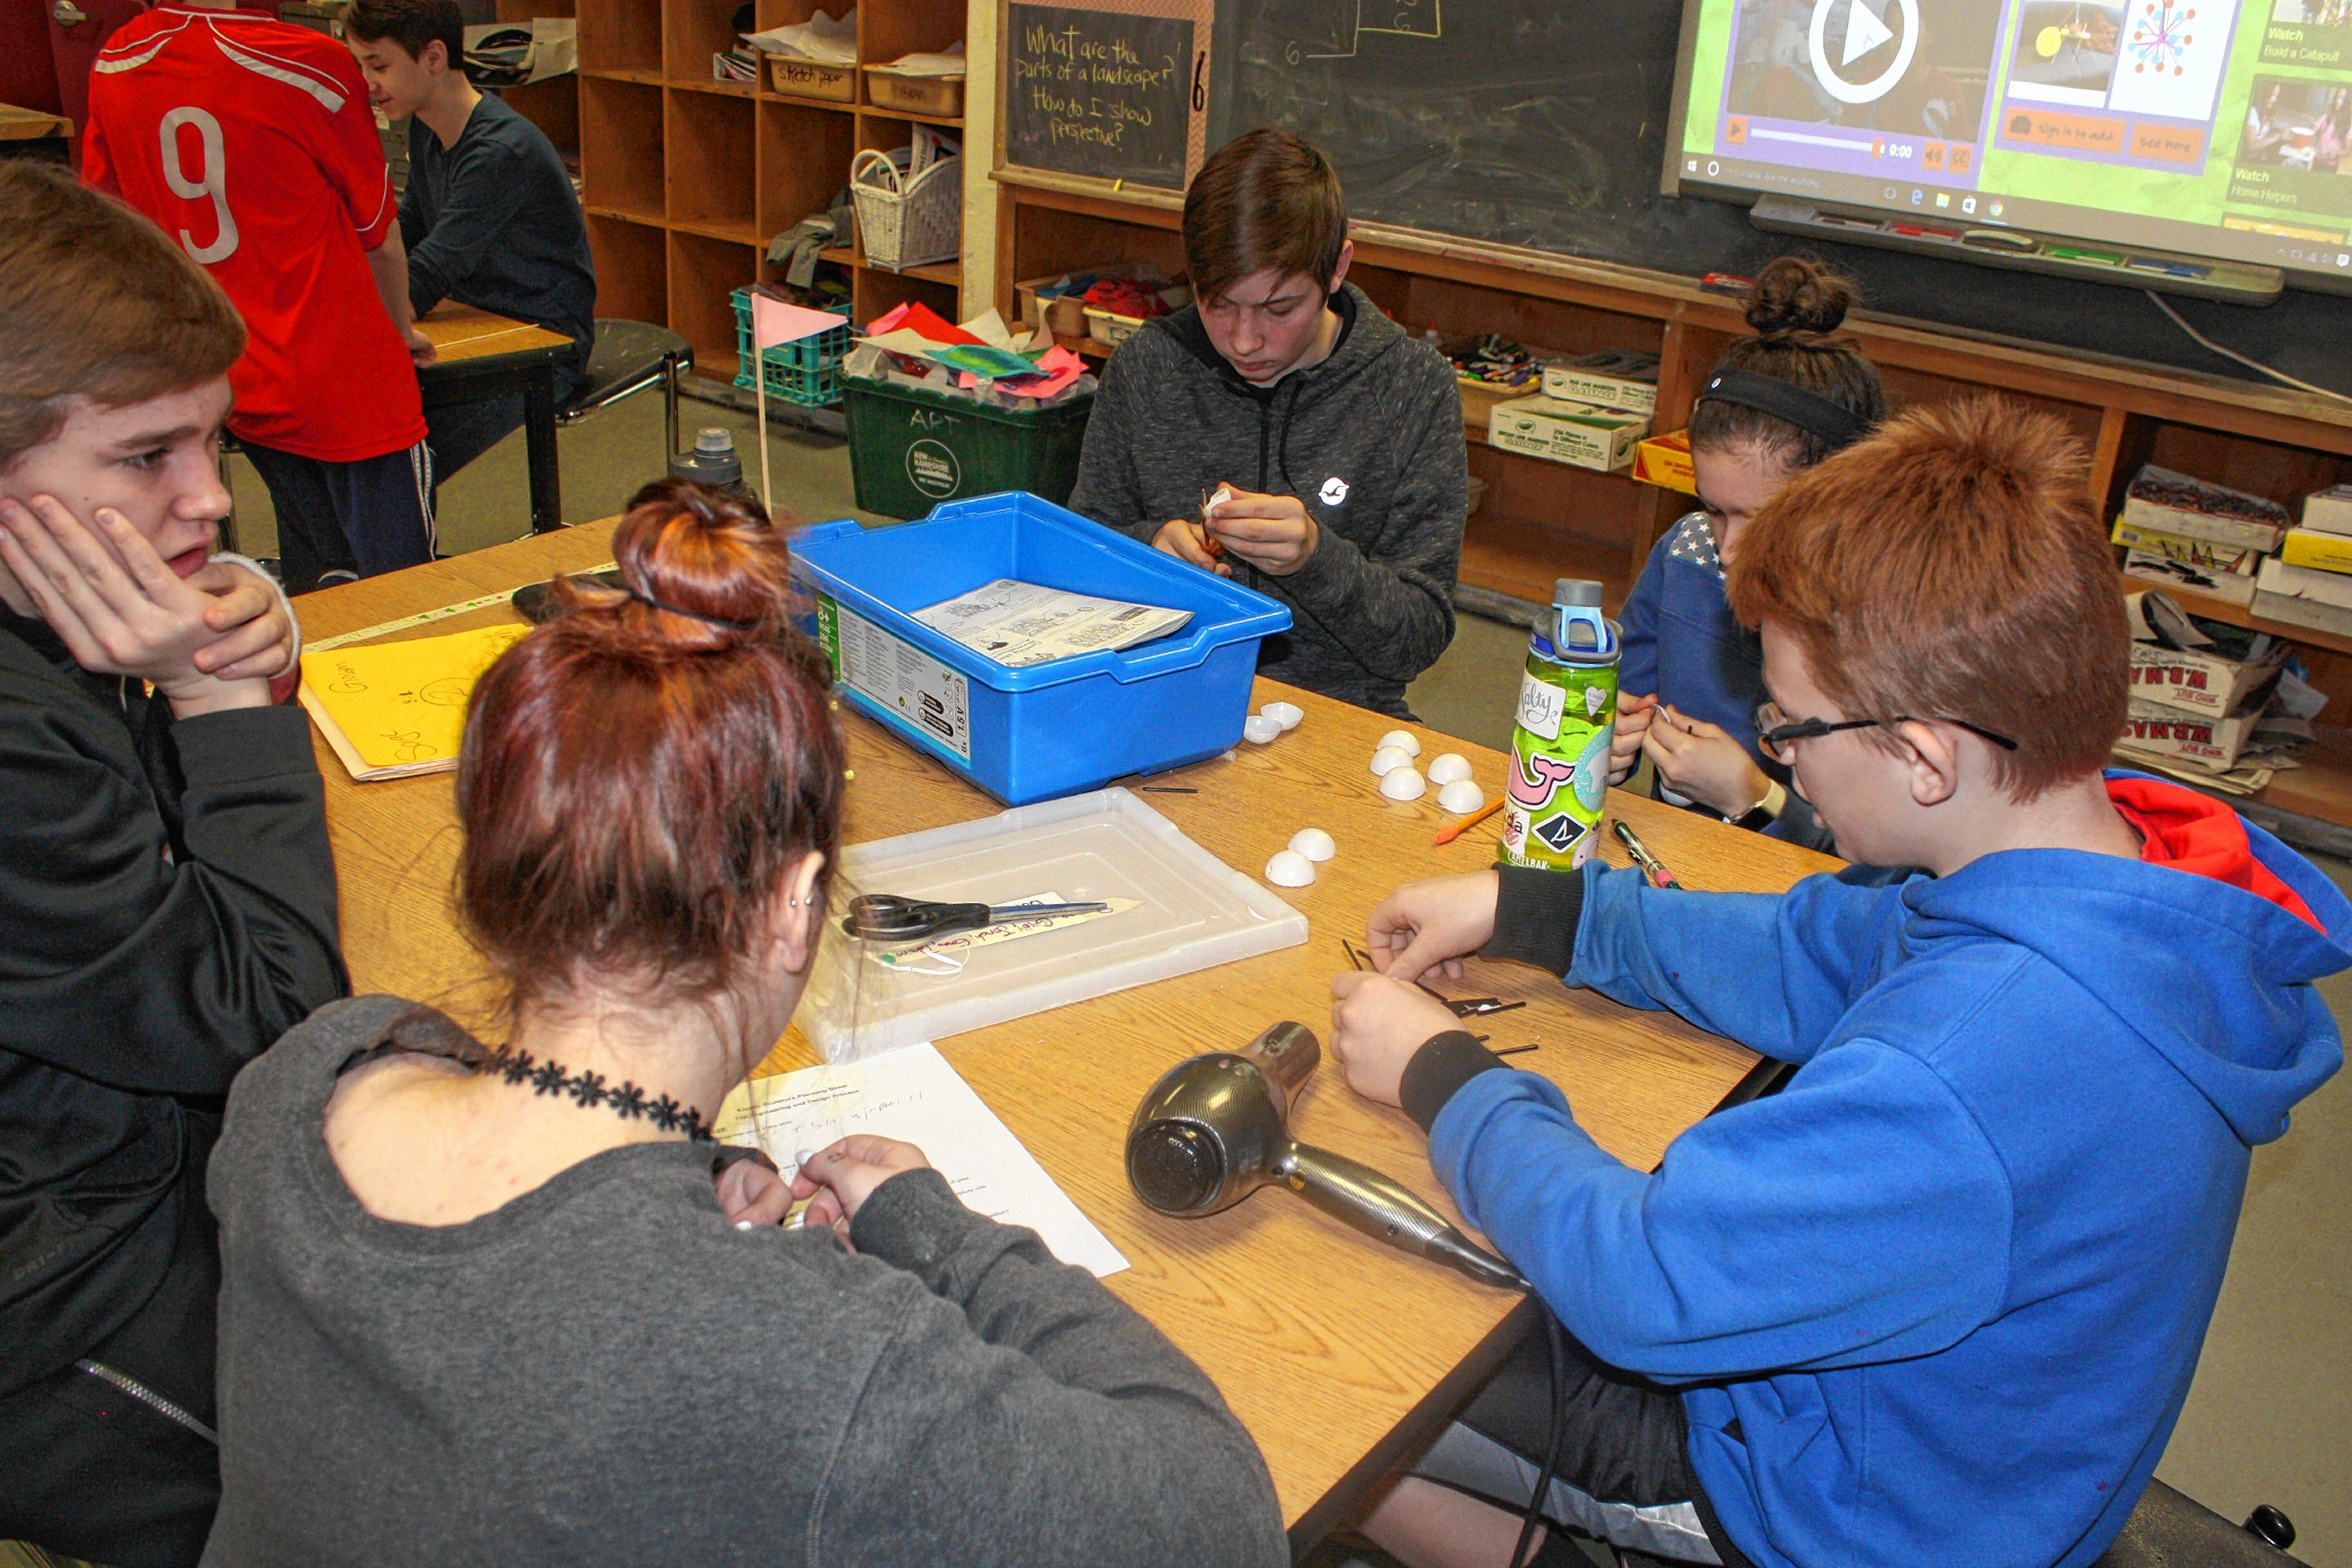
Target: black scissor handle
(886, 917)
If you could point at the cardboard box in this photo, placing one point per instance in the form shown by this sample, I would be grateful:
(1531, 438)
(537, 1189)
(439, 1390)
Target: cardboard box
(2210, 742)
(2196, 681)
(2329, 511)
(1612, 378)
(2150, 566)
(2317, 550)
(2310, 613)
(2175, 504)
(2331, 588)
(1665, 461)
(2203, 554)
(1573, 433)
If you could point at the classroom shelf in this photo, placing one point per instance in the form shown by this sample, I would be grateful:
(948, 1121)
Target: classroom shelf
(1521, 558)
(2221, 610)
(717, 169)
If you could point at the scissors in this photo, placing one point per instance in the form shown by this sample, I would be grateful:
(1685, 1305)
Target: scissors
(886, 917)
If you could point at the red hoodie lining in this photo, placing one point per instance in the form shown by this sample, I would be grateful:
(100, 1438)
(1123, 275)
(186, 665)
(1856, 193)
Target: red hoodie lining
(2195, 833)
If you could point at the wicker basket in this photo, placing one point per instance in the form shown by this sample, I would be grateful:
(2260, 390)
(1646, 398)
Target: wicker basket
(908, 222)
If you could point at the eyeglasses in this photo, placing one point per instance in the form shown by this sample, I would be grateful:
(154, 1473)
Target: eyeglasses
(1777, 733)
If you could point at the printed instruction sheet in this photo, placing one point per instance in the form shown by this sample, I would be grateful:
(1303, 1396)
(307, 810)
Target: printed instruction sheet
(1018, 623)
(913, 1095)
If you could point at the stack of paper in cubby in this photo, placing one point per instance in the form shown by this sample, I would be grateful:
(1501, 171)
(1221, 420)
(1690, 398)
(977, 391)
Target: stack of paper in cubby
(2184, 532)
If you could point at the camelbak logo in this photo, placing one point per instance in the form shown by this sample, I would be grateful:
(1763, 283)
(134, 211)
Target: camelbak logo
(1334, 491)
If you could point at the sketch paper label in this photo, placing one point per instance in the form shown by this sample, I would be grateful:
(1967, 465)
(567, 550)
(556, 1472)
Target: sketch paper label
(922, 693)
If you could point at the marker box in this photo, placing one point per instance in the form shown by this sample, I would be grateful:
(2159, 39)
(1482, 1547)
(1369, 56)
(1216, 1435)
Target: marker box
(1613, 378)
(1573, 433)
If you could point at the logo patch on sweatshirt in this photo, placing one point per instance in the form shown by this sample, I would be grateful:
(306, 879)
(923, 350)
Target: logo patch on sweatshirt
(1333, 490)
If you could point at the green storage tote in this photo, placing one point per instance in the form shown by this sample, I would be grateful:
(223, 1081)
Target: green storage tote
(911, 448)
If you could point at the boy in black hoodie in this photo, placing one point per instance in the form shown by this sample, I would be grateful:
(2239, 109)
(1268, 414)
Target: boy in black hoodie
(167, 897)
(1339, 437)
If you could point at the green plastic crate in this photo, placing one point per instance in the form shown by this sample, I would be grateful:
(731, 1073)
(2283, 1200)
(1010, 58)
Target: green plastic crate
(806, 371)
(911, 448)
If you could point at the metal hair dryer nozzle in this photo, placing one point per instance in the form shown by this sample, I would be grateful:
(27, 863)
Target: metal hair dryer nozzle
(1217, 1128)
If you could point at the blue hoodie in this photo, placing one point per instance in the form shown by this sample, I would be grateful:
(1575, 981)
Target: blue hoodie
(1940, 1300)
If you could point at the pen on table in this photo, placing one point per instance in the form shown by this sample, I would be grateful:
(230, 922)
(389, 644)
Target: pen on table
(1652, 866)
(1448, 835)
(1167, 789)
(1519, 1050)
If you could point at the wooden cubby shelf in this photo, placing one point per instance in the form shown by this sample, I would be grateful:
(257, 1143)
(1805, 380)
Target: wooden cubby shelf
(687, 178)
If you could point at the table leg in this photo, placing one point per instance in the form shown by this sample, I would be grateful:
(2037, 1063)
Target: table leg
(539, 438)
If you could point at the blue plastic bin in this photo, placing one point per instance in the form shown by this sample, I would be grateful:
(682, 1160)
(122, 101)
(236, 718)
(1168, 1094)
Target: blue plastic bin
(1047, 729)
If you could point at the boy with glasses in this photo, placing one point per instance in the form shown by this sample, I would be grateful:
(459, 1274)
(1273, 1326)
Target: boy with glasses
(1940, 1299)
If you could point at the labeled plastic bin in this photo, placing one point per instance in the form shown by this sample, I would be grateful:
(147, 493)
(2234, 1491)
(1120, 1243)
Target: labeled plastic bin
(911, 448)
(806, 371)
(1045, 729)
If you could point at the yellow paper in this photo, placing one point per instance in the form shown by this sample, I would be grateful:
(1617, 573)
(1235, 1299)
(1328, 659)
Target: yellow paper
(403, 704)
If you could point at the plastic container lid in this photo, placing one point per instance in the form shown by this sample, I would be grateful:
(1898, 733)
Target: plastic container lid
(1576, 593)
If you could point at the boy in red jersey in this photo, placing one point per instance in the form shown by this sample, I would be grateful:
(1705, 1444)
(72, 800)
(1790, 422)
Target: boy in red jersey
(251, 142)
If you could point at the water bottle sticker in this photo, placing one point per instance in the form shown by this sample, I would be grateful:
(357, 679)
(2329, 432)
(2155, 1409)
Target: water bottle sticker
(1596, 696)
(1536, 779)
(1541, 708)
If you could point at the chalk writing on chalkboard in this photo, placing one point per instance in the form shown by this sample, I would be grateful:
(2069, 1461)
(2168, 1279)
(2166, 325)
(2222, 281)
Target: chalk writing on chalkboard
(1097, 92)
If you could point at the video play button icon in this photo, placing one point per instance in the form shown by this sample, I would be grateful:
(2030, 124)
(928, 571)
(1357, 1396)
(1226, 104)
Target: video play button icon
(1865, 31)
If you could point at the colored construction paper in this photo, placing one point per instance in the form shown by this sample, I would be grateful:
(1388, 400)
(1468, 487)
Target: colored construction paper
(921, 320)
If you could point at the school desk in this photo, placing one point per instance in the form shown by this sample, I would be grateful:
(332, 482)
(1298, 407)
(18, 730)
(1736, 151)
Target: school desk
(481, 355)
(1342, 1356)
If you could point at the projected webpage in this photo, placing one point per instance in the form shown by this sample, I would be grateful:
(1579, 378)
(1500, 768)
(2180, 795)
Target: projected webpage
(2213, 128)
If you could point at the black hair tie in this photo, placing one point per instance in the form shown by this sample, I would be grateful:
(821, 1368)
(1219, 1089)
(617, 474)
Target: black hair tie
(1833, 425)
(695, 614)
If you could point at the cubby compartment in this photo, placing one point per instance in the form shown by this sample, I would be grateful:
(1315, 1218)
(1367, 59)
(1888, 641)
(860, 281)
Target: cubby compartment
(620, 163)
(803, 159)
(632, 269)
(693, 31)
(888, 29)
(712, 167)
(620, 35)
(704, 274)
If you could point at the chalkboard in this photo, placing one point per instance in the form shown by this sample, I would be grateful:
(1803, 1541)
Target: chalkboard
(1544, 125)
(1098, 92)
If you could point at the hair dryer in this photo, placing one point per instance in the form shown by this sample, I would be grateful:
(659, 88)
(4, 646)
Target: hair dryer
(1216, 1128)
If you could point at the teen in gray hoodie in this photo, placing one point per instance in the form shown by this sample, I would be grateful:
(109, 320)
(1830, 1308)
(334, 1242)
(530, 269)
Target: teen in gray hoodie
(1340, 435)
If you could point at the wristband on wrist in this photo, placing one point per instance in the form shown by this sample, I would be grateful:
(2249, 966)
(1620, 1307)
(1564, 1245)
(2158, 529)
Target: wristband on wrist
(1765, 812)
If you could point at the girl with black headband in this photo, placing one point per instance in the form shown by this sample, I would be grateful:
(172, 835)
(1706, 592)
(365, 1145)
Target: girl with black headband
(1777, 403)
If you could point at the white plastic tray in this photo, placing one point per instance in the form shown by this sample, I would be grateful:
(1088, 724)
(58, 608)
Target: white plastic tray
(1192, 911)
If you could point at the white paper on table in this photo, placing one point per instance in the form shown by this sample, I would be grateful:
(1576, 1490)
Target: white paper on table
(914, 1095)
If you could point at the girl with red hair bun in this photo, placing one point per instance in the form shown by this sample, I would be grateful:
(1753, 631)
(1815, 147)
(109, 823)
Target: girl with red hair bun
(515, 1295)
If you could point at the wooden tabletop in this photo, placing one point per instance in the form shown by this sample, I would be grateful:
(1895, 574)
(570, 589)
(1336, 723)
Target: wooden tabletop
(28, 125)
(1335, 1351)
(462, 332)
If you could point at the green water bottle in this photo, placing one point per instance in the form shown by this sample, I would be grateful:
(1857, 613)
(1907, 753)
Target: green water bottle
(1559, 747)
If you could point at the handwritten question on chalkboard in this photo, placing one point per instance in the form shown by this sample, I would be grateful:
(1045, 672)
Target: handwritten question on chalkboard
(1101, 94)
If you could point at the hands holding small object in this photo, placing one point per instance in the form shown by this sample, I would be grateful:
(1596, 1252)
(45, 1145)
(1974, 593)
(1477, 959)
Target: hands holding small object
(836, 1180)
(1380, 1020)
(209, 641)
(1275, 533)
(1701, 761)
(1634, 713)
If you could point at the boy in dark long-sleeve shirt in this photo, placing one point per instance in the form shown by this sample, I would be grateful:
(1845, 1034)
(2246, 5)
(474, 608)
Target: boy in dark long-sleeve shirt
(488, 216)
(167, 897)
(1339, 436)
